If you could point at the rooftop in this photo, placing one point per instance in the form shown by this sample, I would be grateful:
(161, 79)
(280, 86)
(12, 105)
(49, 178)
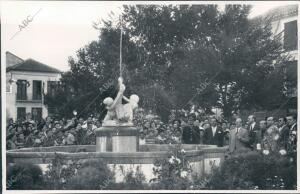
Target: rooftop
(282, 12)
(32, 66)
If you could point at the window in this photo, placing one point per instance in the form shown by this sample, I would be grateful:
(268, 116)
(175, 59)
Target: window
(22, 90)
(36, 114)
(291, 79)
(52, 87)
(36, 90)
(290, 36)
(291, 71)
(21, 113)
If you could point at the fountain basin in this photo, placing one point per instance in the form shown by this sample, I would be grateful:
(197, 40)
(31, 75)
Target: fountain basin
(201, 157)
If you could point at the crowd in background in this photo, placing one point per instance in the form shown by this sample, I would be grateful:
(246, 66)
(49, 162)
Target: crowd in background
(183, 126)
(269, 134)
(51, 132)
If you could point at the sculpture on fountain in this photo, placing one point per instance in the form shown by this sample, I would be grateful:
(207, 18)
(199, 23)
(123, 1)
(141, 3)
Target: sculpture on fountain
(117, 133)
(118, 113)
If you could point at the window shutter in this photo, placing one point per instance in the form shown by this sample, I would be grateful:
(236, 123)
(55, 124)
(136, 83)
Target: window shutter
(290, 36)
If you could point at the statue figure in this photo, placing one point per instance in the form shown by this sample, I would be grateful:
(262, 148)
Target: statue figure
(117, 113)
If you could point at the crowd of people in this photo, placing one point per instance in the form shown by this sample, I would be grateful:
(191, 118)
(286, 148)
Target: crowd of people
(51, 132)
(268, 134)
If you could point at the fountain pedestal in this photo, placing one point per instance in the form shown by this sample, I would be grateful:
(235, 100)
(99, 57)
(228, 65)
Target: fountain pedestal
(117, 139)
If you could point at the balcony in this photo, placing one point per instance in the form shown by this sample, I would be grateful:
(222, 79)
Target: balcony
(26, 99)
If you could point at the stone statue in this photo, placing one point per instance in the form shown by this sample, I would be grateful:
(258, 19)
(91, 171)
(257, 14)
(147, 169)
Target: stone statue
(118, 113)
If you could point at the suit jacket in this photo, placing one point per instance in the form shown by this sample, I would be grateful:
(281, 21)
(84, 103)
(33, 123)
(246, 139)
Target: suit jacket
(255, 136)
(217, 139)
(284, 137)
(191, 135)
(239, 141)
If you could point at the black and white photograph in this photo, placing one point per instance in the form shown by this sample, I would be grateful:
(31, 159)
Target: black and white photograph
(149, 96)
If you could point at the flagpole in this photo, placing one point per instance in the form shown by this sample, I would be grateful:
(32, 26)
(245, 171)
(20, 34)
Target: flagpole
(121, 36)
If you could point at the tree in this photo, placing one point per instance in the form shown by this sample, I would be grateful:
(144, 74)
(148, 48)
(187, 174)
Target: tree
(177, 55)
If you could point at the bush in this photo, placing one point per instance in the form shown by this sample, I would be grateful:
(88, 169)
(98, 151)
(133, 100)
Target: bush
(59, 172)
(74, 174)
(93, 175)
(253, 170)
(172, 173)
(24, 176)
(132, 181)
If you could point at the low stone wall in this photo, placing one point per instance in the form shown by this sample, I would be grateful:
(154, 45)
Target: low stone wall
(201, 157)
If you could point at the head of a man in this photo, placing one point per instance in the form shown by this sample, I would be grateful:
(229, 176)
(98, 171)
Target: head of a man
(57, 125)
(81, 120)
(98, 123)
(142, 135)
(281, 121)
(251, 119)
(197, 123)
(263, 125)
(270, 121)
(10, 121)
(232, 125)
(213, 122)
(206, 126)
(291, 120)
(224, 125)
(19, 129)
(89, 119)
(238, 122)
(177, 122)
(147, 124)
(90, 125)
(54, 130)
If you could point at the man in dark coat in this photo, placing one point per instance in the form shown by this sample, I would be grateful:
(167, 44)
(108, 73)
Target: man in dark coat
(284, 133)
(292, 143)
(214, 135)
(191, 133)
(254, 132)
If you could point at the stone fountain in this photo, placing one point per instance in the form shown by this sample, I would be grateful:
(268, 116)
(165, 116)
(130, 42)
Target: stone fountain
(117, 144)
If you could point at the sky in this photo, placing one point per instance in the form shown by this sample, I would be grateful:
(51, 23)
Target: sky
(55, 30)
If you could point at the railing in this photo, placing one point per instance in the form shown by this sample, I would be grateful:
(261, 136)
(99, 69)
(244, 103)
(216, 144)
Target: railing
(26, 99)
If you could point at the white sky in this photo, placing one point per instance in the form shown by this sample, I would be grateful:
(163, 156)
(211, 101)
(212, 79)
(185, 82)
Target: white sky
(62, 27)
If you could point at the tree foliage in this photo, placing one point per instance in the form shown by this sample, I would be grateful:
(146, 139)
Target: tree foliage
(177, 55)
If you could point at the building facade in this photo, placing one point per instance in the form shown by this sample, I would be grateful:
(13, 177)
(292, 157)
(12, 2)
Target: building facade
(27, 81)
(285, 25)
